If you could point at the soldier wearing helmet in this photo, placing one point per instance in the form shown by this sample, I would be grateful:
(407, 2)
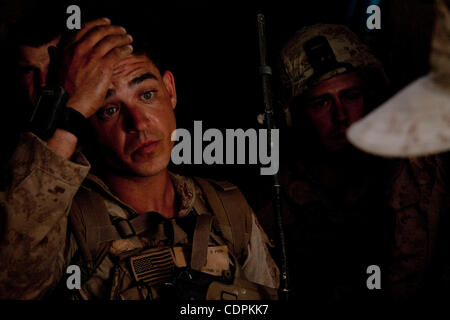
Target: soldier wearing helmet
(333, 205)
(331, 76)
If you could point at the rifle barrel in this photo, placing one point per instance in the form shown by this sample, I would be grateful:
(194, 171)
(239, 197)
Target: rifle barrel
(266, 72)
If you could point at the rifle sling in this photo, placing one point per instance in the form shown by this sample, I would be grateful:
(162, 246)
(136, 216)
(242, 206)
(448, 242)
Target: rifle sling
(200, 241)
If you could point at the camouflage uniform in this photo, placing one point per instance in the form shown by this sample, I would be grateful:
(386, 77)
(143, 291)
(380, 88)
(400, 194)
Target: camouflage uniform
(415, 123)
(37, 247)
(333, 233)
(419, 199)
(331, 229)
(329, 240)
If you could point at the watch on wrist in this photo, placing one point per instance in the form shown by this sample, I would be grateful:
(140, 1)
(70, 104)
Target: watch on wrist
(51, 113)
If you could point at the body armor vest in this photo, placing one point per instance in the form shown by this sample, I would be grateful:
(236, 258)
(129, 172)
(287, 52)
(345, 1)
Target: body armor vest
(208, 267)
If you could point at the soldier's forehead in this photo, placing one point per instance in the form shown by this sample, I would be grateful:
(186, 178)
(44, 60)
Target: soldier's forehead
(134, 64)
(337, 83)
(34, 55)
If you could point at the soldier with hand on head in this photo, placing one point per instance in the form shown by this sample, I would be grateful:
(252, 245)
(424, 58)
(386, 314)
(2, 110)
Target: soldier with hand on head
(136, 230)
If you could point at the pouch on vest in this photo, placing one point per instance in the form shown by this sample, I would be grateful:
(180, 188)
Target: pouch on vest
(165, 273)
(232, 217)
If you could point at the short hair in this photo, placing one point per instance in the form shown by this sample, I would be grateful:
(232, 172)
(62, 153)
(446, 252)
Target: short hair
(152, 48)
(145, 27)
(147, 41)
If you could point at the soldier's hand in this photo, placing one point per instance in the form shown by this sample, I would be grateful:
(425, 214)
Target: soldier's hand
(87, 63)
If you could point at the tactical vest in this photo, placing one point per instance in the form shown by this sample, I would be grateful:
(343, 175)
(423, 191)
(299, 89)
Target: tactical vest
(184, 273)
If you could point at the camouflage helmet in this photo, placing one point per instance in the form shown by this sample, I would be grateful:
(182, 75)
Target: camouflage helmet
(302, 56)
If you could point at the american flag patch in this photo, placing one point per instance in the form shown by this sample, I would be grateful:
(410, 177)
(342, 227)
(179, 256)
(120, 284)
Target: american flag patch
(153, 267)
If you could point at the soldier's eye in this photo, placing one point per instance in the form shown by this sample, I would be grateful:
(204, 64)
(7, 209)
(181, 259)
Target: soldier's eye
(147, 95)
(353, 94)
(26, 70)
(107, 112)
(320, 103)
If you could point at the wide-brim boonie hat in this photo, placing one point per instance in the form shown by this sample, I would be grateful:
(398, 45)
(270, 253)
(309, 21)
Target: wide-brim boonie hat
(416, 121)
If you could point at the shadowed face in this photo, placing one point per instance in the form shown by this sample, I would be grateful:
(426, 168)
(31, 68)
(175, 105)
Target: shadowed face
(332, 106)
(134, 126)
(33, 67)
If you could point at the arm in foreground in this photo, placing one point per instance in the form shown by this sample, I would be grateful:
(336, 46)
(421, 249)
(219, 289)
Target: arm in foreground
(34, 206)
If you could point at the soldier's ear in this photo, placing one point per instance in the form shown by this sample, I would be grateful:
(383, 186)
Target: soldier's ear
(169, 83)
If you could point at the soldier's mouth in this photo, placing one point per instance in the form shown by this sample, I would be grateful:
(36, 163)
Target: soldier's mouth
(146, 148)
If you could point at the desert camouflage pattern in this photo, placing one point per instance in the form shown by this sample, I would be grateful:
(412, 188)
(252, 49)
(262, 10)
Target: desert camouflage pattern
(329, 231)
(419, 199)
(36, 247)
(348, 49)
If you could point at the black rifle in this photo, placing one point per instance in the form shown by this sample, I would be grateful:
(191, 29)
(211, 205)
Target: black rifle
(266, 72)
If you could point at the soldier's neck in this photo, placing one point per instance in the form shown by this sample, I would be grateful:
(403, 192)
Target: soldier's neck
(144, 194)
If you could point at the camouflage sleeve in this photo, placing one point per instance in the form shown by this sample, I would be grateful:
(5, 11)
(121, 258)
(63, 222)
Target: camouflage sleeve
(419, 199)
(34, 206)
(259, 266)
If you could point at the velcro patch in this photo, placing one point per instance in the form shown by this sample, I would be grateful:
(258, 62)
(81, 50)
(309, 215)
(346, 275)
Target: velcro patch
(154, 267)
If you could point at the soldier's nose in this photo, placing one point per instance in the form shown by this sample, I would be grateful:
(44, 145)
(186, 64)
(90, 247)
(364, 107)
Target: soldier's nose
(137, 120)
(42, 77)
(40, 81)
(341, 112)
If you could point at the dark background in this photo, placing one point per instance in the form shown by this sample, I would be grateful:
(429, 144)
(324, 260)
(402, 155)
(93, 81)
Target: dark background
(212, 49)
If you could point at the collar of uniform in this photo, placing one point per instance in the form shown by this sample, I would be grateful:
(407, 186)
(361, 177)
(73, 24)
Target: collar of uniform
(185, 192)
(94, 182)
